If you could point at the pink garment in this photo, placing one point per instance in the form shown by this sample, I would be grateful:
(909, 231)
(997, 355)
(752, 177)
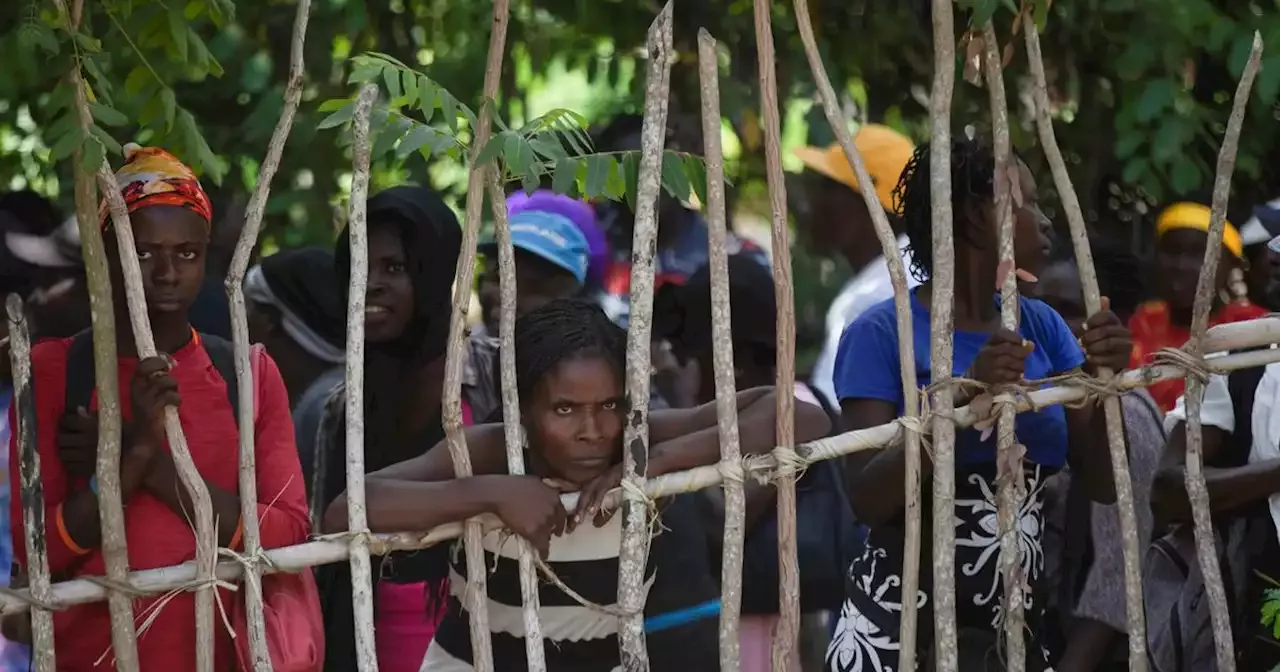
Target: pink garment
(405, 624)
(755, 637)
(406, 620)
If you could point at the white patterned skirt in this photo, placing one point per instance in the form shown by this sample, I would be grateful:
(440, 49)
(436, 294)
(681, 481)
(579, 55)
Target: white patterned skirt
(866, 636)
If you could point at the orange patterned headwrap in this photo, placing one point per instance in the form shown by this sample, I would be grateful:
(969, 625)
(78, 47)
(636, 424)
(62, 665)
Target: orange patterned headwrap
(152, 176)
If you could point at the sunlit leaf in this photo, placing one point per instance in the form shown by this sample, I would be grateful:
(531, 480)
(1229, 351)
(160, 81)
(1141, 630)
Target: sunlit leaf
(386, 140)
(333, 105)
(449, 108)
(631, 173)
(674, 179)
(597, 175)
(409, 82)
(341, 116)
(137, 80)
(106, 115)
(391, 78)
(696, 169)
(615, 185)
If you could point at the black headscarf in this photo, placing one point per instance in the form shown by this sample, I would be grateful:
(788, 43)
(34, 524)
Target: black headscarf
(682, 313)
(302, 280)
(432, 239)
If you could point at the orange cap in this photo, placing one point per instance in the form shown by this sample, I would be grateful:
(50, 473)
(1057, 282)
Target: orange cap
(884, 151)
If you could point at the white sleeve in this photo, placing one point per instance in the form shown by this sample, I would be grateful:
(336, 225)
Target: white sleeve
(1215, 411)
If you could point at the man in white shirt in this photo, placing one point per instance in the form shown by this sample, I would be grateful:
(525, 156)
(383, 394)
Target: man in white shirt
(839, 223)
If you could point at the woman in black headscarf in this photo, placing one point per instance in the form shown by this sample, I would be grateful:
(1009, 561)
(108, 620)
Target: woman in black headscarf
(414, 240)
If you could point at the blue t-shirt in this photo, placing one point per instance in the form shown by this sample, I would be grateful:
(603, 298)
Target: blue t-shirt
(867, 368)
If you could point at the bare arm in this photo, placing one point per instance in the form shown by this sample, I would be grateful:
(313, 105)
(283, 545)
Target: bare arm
(393, 505)
(876, 478)
(1089, 451)
(1229, 488)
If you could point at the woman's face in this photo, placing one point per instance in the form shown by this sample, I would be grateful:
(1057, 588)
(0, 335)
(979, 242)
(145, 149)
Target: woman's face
(389, 304)
(1032, 231)
(574, 420)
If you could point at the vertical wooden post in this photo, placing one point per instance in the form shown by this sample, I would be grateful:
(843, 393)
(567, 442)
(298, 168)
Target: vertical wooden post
(205, 531)
(98, 282)
(513, 431)
(788, 632)
(906, 346)
(942, 329)
(1010, 482)
(722, 350)
(1134, 607)
(475, 597)
(33, 520)
(635, 450)
(1206, 288)
(357, 523)
(245, 383)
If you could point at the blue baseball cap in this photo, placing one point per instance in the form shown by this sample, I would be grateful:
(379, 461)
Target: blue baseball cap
(549, 236)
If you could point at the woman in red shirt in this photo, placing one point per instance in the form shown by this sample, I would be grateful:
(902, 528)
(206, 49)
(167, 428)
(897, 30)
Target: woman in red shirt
(171, 224)
(1182, 232)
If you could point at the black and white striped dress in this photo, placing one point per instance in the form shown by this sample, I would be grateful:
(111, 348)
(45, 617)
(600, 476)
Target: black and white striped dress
(578, 638)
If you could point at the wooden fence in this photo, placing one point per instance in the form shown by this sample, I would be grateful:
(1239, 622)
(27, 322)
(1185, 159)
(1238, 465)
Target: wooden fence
(940, 421)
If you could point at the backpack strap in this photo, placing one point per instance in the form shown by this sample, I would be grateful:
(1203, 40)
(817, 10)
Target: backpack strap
(222, 355)
(78, 391)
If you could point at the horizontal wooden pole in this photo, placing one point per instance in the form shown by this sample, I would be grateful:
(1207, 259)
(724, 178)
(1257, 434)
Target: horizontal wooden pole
(1227, 337)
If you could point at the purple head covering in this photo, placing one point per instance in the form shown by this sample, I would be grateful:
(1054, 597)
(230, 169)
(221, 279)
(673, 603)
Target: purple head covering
(579, 212)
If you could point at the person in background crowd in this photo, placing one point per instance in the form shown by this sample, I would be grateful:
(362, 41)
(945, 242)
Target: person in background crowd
(570, 368)
(295, 311)
(551, 263)
(583, 216)
(414, 240)
(1262, 276)
(211, 313)
(1083, 545)
(1181, 236)
(170, 216)
(869, 384)
(43, 266)
(682, 232)
(682, 316)
(839, 223)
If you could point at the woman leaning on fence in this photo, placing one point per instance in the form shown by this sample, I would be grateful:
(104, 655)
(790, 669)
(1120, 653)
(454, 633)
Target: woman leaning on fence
(171, 225)
(570, 372)
(869, 385)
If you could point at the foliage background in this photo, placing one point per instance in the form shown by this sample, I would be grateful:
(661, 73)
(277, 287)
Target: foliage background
(1142, 90)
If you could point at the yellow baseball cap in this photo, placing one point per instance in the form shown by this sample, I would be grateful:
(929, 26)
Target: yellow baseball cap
(1196, 216)
(884, 151)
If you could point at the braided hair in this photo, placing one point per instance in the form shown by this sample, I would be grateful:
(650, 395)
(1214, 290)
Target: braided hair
(972, 168)
(562, 330)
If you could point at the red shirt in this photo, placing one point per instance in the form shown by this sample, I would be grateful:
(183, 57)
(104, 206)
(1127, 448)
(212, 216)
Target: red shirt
(1153, 330)
(158, 537)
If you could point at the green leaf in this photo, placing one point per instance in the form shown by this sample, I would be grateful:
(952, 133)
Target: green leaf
(674, 179)
(1134, 170)
(530, 182)
(339, 117)
(414, 140)
(1156, 97)
(490, 151)
(548, 148)
(391, 78)
(87, 43)
(631, 172)
(566, 176)
(409, 80)
(66, 144)
(170, 105)
(105, 138)
(983, 10)
(428, 97)
(1041, 13)
(93, 154)
(615, 187)
(43, 36)
(178, 33)
(597, 175)
(696, 169)
(333, 105)
(106, 115)
(193, 10)
(449, 108)
(137, 80)
(391, 133)
(517, 154)
(1128, 144)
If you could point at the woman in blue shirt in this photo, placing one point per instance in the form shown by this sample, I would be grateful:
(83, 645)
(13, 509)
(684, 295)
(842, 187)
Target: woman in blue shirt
(868, 381)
